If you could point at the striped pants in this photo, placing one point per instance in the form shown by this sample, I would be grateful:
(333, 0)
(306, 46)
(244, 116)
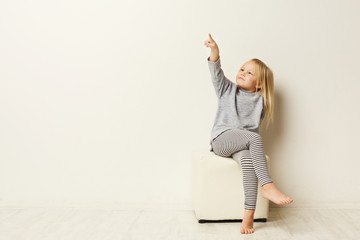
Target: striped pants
(246, 148)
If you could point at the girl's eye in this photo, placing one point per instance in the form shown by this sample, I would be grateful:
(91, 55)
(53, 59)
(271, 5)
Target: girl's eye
(243, 70)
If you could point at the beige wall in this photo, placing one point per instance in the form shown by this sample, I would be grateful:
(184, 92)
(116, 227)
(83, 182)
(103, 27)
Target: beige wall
(103, 103)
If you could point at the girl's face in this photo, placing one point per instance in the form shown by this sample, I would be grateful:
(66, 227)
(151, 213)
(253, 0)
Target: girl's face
(246, 77)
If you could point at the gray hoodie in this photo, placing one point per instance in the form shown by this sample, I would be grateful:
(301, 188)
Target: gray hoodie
(236, 108)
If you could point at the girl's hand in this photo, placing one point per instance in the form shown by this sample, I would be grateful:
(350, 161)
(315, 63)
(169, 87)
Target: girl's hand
(211, 43)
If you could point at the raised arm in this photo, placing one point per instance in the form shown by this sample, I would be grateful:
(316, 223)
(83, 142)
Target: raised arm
(220, 82)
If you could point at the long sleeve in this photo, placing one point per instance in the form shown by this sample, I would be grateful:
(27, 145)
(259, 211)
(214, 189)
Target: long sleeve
(220, 82)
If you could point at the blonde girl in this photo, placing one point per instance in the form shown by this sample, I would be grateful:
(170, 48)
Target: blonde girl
(242, 107)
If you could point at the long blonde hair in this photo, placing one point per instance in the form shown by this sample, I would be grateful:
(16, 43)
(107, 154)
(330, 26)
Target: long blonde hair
(265, 77)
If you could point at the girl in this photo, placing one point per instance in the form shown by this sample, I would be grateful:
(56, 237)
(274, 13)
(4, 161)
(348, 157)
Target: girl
(242, 107)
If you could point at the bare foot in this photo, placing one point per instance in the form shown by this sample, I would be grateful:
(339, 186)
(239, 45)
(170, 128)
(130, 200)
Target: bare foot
(247, 222)
(272, 193)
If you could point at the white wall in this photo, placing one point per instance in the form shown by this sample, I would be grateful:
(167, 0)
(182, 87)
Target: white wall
(103, 102)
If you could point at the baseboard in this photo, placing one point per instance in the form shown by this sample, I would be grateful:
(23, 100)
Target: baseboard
(158, 205)
(101, 205)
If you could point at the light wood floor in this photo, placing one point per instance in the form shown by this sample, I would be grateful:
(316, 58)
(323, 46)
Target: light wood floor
(104, 224)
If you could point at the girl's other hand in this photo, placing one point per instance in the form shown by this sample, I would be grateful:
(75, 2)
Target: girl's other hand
(210, 43)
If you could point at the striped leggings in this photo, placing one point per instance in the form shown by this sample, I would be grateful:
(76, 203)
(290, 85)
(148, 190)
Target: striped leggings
(246, 148)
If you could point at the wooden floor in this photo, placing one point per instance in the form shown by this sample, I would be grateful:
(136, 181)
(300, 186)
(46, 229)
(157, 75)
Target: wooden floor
(104, 224)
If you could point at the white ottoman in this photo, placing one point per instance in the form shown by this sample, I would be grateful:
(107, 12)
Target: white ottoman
(217, 189)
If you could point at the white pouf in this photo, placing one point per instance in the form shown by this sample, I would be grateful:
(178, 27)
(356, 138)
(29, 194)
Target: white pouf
(217, 189)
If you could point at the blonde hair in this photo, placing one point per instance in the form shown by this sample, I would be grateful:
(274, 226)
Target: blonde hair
(265, 77)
